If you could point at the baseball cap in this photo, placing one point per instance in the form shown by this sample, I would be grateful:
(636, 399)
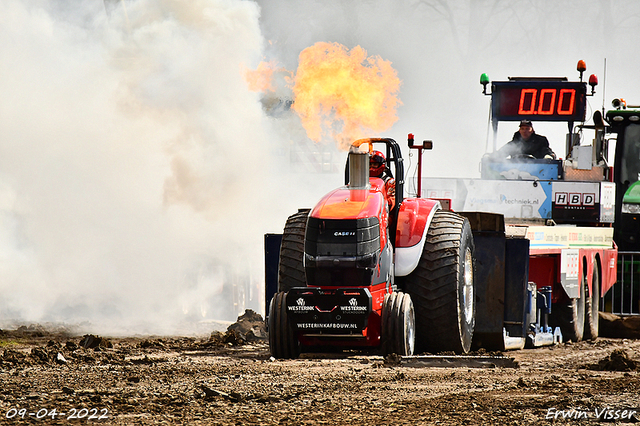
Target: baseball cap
(526, 123)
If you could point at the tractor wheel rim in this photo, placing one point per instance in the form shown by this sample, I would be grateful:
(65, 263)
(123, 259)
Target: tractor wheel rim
(467, 291)
(411, 326)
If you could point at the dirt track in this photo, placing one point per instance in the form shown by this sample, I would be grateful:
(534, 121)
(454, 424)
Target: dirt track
(207, 381)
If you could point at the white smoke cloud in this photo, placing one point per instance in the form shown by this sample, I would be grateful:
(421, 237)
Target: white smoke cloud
(131, 161)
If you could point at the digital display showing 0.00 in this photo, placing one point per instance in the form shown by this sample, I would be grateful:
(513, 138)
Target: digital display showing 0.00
(538, 100)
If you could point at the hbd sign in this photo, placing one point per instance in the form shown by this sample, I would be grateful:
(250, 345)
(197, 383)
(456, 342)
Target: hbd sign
(577, 202)
(576, 199)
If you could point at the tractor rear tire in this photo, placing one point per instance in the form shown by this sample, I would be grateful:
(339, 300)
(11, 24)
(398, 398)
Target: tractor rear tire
(570, 316)
(283, 342)
(442, 286)
(398, 324)
(291, 268)
(592, 306)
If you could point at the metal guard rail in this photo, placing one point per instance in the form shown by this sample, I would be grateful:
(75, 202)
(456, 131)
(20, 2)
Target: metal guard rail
(624, 297)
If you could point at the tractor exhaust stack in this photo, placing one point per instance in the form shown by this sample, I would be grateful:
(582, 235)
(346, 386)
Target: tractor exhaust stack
(358, 168)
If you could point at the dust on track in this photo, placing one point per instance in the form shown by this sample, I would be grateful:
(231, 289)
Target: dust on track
(230, 379)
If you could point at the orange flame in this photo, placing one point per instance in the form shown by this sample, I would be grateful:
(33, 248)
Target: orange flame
(344, 95)
(261, 79)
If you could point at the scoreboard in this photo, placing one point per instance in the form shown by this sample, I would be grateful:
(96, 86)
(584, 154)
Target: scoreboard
(538, 100)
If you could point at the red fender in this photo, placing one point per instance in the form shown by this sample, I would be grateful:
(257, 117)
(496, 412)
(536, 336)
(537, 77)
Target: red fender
(608, 268)
(414, 218)
(609, 274)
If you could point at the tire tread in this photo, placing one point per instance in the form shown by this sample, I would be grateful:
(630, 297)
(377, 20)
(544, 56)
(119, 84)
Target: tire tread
(291, 269)
(433, 286)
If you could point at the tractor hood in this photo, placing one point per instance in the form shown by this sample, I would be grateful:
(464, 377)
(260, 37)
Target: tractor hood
(344, 239)
(345, 203)
(633, 194)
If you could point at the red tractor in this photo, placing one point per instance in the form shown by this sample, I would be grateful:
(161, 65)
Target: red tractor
(362, 271)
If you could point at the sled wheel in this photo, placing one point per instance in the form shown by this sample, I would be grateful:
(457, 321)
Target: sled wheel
(290, 269)
(442, 286)
(592, 305)
(570, 316)
(398, 324)
(283, 342)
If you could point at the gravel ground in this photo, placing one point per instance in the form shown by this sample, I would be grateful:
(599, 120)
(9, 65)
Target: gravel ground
(230, 379)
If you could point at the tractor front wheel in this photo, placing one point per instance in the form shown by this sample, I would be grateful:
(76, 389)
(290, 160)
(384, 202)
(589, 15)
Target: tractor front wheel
(442, 286)
(398, 324)
(283, 342)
